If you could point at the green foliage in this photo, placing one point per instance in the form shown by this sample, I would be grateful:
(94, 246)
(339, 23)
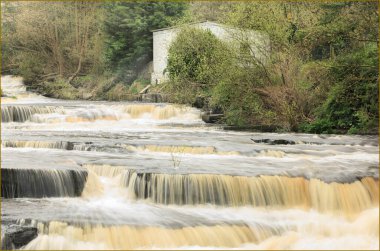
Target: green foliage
(194, 56)
(352, 103)
(51, 44)
(320, 77)
(62, 41)
(128, 28)
(200, 65)
(235, 95)
(119, 92)
(30, 67)
(196, 63)
(138, 85)
(318, 126)
(7, 29)
(59, 89)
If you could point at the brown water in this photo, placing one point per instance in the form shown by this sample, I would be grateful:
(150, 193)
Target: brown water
(114, 175)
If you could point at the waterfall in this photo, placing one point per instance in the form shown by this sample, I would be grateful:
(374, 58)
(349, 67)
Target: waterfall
(24, 113)
(157, 112)
(38, 183)
(225, 190)
(179, 149)
(38, 144)
(262, 191)
(131, 237)
(122, 175)
(319, 229)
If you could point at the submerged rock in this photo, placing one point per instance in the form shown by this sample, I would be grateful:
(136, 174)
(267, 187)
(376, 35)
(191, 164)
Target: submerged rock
(211, 118)
(16, 236)
(70, 146)
(274, 141)
(200, 102)
(256, 128)
(152, 98)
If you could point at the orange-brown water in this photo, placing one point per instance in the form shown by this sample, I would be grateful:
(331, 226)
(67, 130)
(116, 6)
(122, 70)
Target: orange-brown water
(102, 175)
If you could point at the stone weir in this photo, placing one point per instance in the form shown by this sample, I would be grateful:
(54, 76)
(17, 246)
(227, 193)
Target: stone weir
(267, 191)
(39, 183)
(234, 191)
(22, 113)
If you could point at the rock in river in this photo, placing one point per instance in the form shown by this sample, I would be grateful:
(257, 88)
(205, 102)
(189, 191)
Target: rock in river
(16, 236)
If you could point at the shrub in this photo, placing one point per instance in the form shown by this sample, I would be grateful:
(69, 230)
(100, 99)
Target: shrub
(319, 126)
(196, 64)
(59, 89)
(352, 103)
(118, 92)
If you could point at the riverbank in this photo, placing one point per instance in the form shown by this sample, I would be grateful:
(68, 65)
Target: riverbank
(160, 94)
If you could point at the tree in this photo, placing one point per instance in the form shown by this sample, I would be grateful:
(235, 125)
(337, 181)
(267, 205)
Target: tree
(129, 26)
(350, 104)
(320, 75)
(196, 63)
(53, 40)
(279, 86)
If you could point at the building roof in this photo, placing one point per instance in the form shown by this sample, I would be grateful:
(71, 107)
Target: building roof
(257, 32)
(181, 25)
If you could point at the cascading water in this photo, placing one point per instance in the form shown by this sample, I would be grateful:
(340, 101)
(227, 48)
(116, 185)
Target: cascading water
(39, 183)
(114, 175)
(224, 190)
(23, 113)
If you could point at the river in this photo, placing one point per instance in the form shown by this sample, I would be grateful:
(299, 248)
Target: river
(124, 175)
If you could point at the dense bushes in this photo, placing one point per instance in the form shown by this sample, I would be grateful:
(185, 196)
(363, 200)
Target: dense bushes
(201, 66)
(352, 103)
(249, 89)
(56, 46)
(196, 64)
(128, 33)
(321, 75)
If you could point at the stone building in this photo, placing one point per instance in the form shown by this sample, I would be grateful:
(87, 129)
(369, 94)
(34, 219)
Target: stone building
(162, 39)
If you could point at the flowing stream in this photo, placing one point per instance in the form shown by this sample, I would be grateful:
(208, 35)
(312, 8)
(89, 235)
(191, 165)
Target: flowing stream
(123, 175)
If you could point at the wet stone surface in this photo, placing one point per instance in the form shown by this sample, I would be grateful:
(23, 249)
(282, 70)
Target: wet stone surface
(16, 236)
